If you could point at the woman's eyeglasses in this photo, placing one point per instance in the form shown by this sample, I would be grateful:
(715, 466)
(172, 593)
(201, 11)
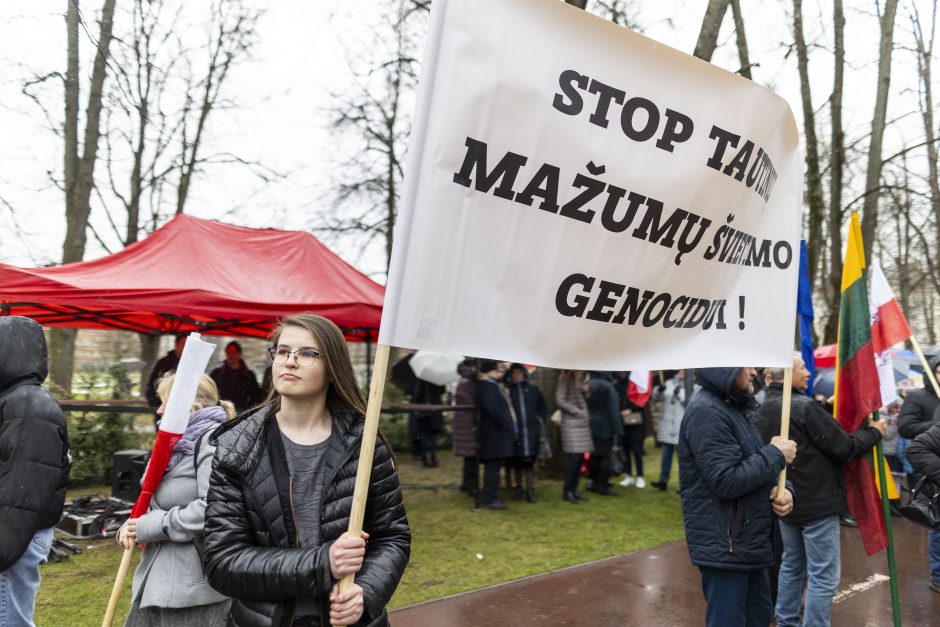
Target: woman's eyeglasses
(304, 357)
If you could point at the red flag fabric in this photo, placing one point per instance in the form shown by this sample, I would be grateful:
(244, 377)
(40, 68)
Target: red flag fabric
(640, 395)
(162, 450)
(857, 390)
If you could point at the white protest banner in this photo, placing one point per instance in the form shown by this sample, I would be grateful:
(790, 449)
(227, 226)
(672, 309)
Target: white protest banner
(580, 196)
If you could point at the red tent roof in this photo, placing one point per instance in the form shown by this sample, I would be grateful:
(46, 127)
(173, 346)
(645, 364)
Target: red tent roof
(199, 275)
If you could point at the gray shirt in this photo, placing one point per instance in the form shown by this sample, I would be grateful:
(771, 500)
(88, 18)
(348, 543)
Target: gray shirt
(305, 463)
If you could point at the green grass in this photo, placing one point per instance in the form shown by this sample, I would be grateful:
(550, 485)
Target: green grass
(447, 537)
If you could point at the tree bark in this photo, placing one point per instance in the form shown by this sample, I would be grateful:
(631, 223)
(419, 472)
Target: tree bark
(814, 195)
(836, 164)
(924, 57)
(743, 55)
(873, 172)
(711, 24)
(79, 172)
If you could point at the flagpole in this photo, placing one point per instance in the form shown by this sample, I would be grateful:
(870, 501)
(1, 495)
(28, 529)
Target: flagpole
(923, 360)
(367, 450)
(785, 426)
(118, 585)
(892, 566)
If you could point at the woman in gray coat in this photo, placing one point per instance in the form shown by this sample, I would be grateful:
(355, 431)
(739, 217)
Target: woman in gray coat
(575, 429)
(170, 586)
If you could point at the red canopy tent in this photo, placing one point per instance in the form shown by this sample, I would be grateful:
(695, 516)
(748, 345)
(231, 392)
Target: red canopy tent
(199, 275)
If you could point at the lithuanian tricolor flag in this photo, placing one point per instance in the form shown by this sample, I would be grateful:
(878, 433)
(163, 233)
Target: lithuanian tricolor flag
(857, 389)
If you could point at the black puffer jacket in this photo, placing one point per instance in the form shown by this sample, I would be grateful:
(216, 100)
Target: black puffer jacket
(726, 473)
(34, 445)
(822, 447)
(924, 454)
(251, 551)
(919, 407)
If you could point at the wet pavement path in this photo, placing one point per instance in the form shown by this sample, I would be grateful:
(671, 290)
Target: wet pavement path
(659, 587)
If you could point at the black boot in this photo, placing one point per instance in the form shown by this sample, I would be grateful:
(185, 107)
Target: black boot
(571, 498)
(579, 496)
(530, 495)
(659, 485)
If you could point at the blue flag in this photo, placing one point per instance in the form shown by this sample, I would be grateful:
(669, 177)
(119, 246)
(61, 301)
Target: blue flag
(804, 309)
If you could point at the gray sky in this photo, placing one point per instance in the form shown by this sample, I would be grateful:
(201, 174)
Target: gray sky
(303, 54)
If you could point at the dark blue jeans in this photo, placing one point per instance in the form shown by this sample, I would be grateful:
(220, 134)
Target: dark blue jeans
(490, 480)
(665, 468)
(572, 471)
(737, 598)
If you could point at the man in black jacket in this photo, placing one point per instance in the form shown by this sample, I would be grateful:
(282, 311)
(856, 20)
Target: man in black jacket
(810, 533)
(34, 467)
(924, 455)
(728, 478)
(167, 363)
(235, 380)
(917, 412)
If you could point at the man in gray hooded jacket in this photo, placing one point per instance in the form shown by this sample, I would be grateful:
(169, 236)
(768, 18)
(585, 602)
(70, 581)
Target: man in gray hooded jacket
(34, 467)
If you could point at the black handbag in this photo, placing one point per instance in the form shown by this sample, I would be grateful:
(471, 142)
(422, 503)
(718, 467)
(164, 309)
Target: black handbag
(924, 506)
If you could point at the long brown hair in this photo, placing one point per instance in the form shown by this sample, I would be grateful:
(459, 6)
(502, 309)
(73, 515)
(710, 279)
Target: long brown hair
(343, 391)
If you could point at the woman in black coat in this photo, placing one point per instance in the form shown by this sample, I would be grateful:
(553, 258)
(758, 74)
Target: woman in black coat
(280, 495)
(529, 411)
(924, 455)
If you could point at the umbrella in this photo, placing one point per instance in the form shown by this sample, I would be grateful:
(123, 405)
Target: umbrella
(436, 368)
(825, 382)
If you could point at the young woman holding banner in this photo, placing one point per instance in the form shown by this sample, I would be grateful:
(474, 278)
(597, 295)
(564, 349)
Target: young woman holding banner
(170, 586)
(281, 492)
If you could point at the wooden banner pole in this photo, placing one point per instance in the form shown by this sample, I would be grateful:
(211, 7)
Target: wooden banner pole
(923, 360)
(118, 586)
(785, 425)
(367, 450)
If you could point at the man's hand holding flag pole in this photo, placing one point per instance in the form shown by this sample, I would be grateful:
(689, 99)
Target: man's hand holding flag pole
(192, 365)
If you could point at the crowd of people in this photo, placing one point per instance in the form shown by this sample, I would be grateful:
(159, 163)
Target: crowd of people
(248, 525)
(604, 419)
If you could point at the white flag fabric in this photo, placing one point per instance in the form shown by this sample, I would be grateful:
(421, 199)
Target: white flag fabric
(192, 366)
(579, 196)
(641, 378)
(888, 327)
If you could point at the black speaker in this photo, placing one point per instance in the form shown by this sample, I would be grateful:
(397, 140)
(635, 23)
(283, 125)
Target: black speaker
(126, 474)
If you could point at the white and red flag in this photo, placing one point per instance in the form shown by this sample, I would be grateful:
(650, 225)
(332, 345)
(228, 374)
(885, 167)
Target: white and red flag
(888, 327)
(192, 365)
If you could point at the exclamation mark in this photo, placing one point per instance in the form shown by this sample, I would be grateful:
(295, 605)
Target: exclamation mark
(741, 307)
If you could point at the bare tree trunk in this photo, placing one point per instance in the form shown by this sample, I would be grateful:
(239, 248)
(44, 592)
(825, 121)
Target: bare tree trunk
(924, 57)
(743, 56)
(814, 195)
(836, 164)
(711, 24)
(79, 172)
(873, 173)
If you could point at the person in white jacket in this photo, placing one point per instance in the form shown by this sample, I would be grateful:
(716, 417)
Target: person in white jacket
(672, 395)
